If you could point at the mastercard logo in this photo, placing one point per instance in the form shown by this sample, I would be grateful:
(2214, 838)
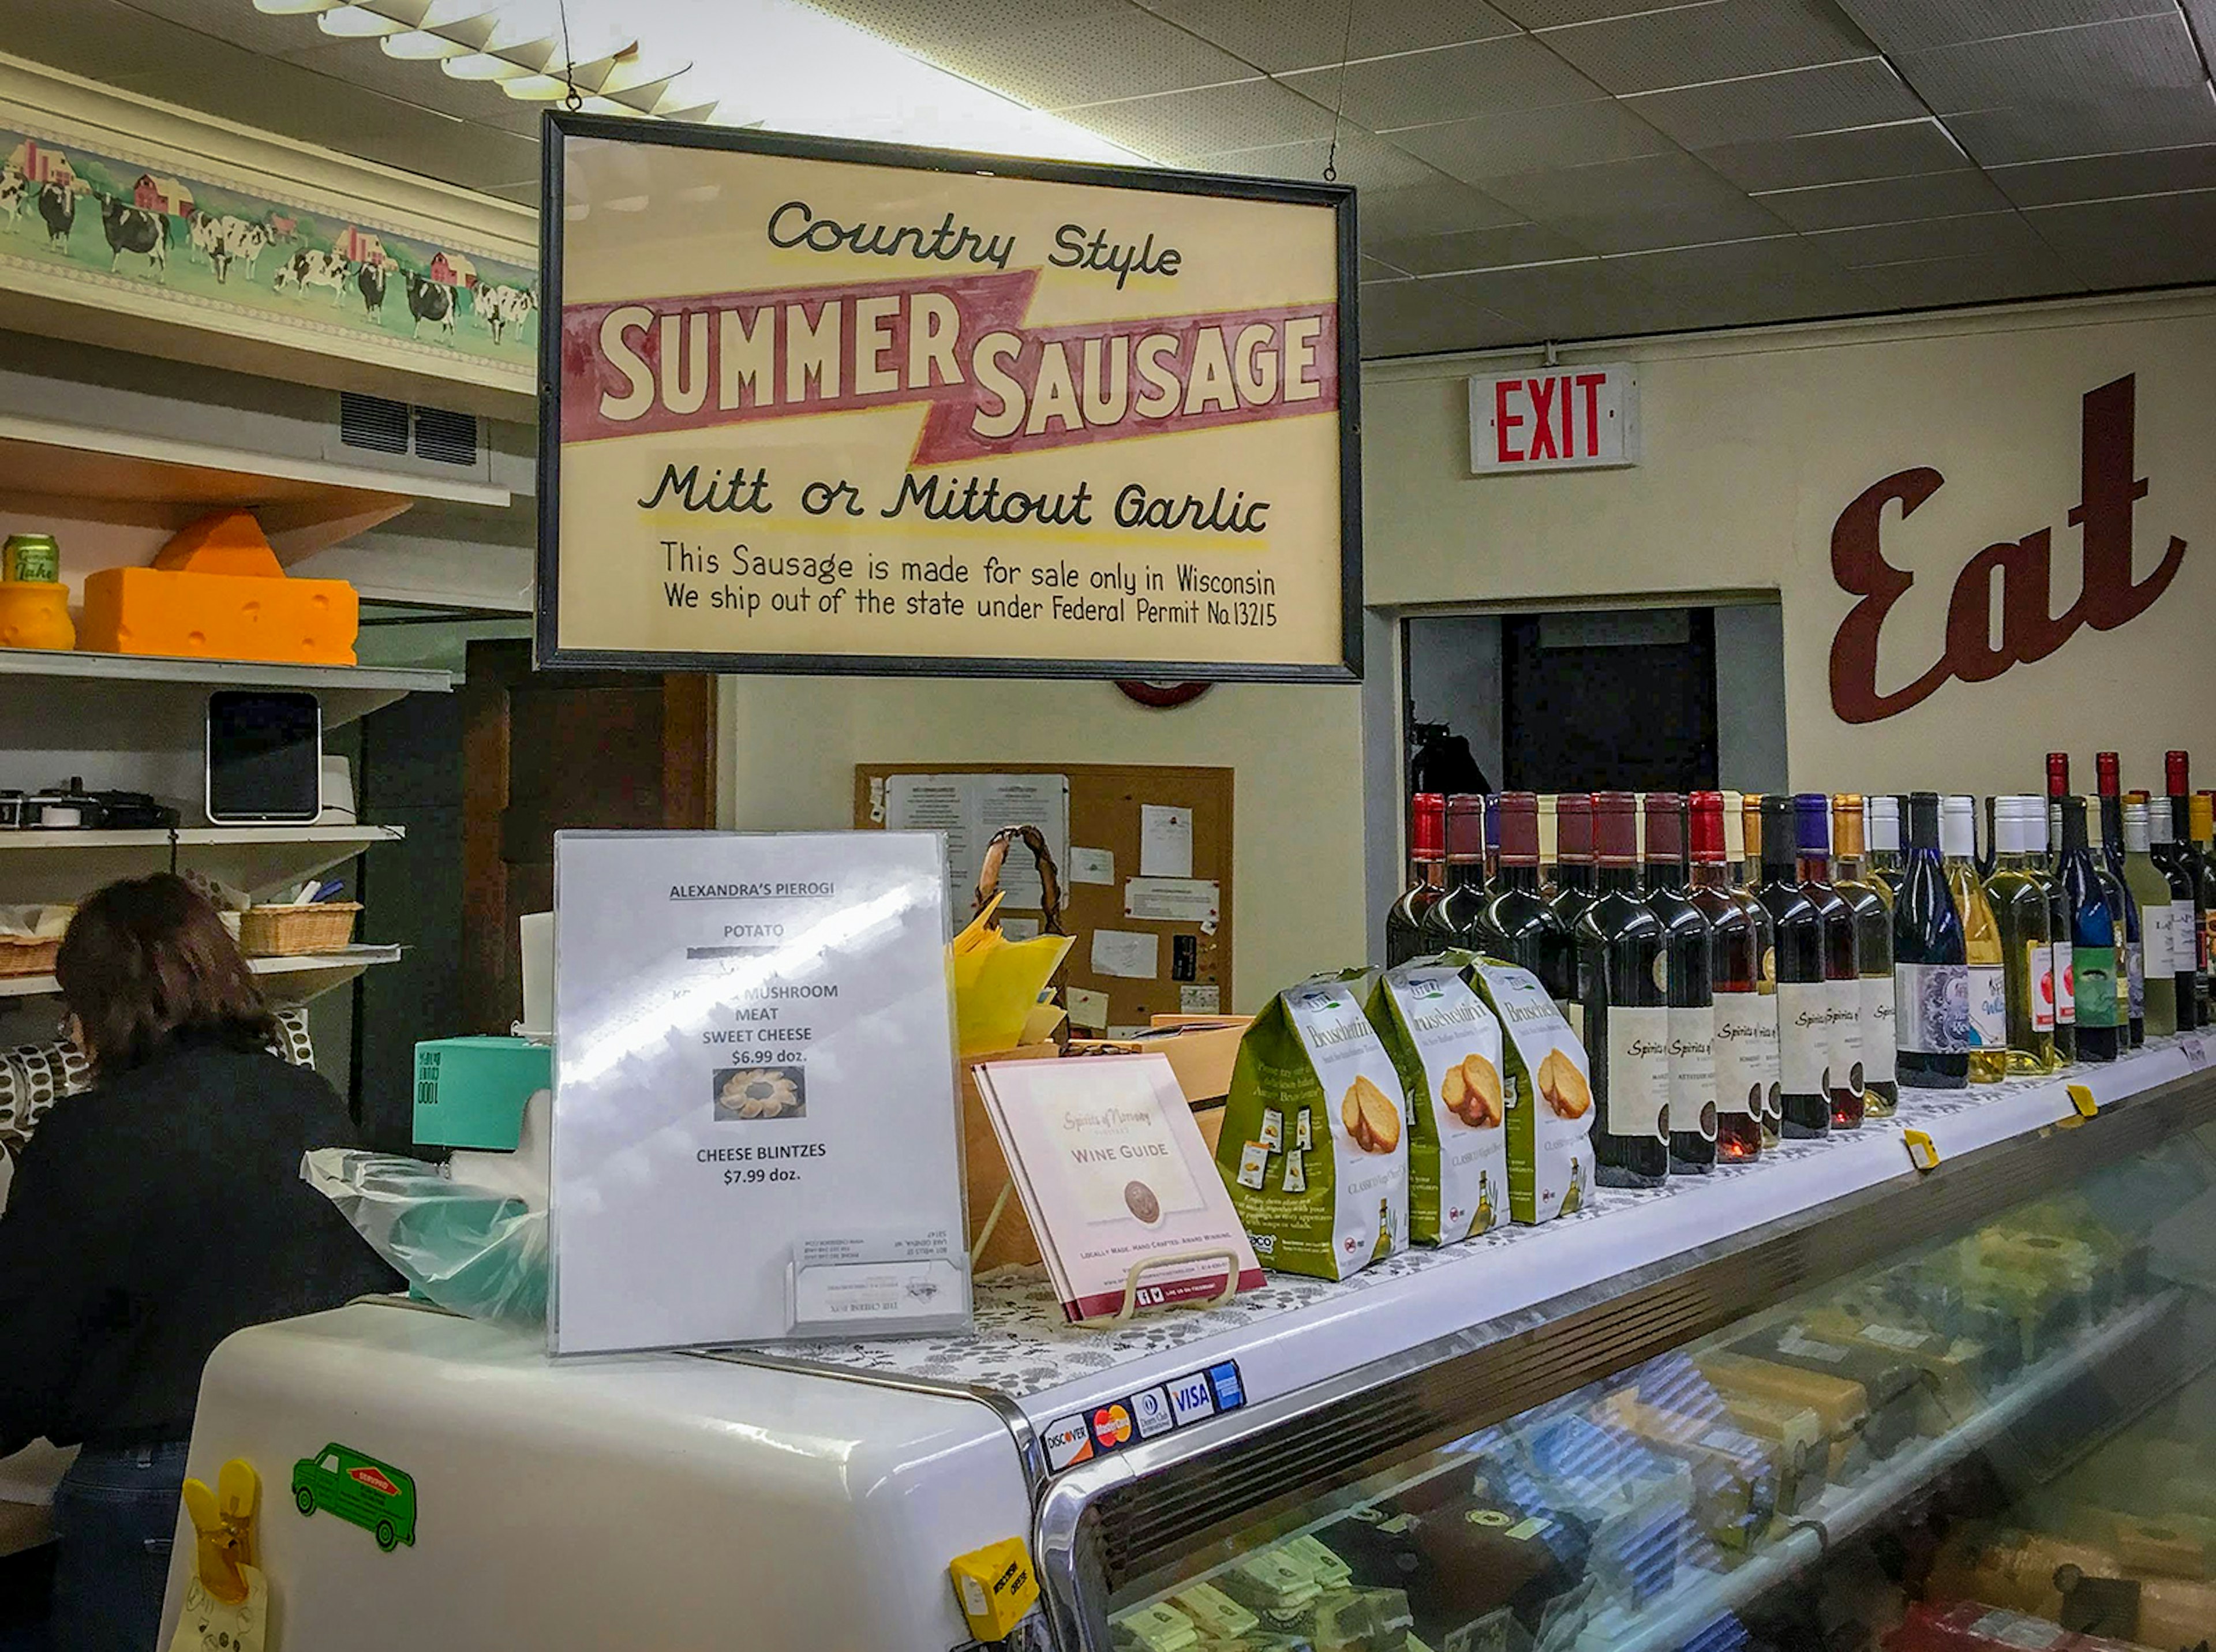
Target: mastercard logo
(1111, 1427)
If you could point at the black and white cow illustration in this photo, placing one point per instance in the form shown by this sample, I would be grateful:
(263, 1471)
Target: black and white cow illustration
(308, 268)
(135, 230)
(431, 301)
(57, 206)
(369, 281)
(15, 192)
(241, 242)
(206, 237)
(502, 307)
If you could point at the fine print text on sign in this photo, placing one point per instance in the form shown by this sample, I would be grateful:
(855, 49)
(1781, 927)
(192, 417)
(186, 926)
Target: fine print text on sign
(843, 407)
(1581, 418)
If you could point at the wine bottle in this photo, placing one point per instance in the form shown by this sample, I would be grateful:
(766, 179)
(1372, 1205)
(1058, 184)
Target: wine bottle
(1871, 904)
(1746, 1015)
(2101, 1029)
(1745, 890)
(1843, 1076)
(1448, 923)
(2108, 774)
(2018, 892)
(2131, 981)
(1573, 869)
(1734, 831)
(1688, 941)
(2045, 862)
(2202, 809)
(1804, 999)
(1626, 1016)
(1981, 941)
(2176, 770)
(1881, 828)
(1517, 923)
(2058, 788)
(1427, 868)
(2150, 887)
(1547, 886)
(1930, 963)
(1492, 836)
(1750, 831)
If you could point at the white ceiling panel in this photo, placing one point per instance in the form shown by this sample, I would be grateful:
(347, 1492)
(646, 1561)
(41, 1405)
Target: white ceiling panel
(1691, 46)
(1282, 36)
(1438, 206)
(1179, 127)
(1528, 140)
(2056, 132)
(1553, 14)
(1919, 25)
(2149, 241)
(1479, 249)
(1986, 235)
(1902, 150)
(1748, 281)
(1929, 283)
(1659, 200)
(1801, 101)
(1051, 54)
(2103, 177)
(2096, 60)
(1410, 318)
(1452, 83)
(1886, 200)
(1362, 159)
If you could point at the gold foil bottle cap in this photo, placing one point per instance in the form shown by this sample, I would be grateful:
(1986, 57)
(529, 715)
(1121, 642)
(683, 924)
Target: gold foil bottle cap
(1847, 823)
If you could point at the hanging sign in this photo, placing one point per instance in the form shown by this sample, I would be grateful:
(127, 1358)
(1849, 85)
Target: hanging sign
(1583, 418)
(754, 1128)
(817, 406)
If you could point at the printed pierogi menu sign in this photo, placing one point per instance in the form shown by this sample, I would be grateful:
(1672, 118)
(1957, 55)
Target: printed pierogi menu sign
(754, 1130)
(844, 407)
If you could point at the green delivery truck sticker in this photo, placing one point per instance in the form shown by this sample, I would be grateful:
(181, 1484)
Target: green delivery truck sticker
(374, 1495)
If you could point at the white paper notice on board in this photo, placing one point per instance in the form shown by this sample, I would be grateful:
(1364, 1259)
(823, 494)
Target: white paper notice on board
(1019, 929)
(1200, 998)
(1165, 841)
(1088, 1008)
(728, 1164)
(969, 808)
(1128, 954)
(1092, 865)
(1173, 900)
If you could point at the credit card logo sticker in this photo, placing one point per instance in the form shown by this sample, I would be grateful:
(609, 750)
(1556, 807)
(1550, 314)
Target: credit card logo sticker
(1151, 1410)
(1069, 1442)
(1230, 1393)
(1189, 1399)
(1111, 1427)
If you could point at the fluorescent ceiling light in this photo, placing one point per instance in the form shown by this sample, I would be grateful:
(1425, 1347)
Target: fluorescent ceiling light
(357, 23)
(416, 45)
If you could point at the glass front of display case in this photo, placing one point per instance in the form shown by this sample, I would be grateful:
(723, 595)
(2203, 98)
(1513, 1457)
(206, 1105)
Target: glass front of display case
(1993, 1441)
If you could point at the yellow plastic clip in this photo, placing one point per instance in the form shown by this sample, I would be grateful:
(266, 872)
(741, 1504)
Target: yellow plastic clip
(222, 1525)
(996, 1586)
(2082, 1099)
(1923, 1152)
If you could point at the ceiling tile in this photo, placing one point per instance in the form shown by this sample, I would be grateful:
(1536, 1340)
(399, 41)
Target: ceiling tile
(1918, 25)
(1479, 249)
(1054, 55)
(1599, 299)
(1831, 99)
(1723, 40)
(1451, 84)
(1282, 36)
(2098, 177)
(1442, 206)
(1989, 235)
(1530, 140)
(1408, 318)
(1929, 284)
(1552, 14)
(1362, 159)
(1903, 148)
(2149, 241)
(1658, 200)
(2066, 64)
(1181, 126)
(1746, 282)
(1886, 200)
(2167, 118)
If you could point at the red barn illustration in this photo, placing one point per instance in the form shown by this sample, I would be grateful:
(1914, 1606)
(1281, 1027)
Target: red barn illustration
(454, 270)
(42, 165)
(359, 245)
(163, 195)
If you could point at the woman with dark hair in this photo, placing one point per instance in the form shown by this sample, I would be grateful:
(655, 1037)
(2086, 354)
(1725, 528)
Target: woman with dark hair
(152, 1216)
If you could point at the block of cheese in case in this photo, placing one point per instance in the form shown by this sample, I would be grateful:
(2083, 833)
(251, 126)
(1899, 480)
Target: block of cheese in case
(1842, 1406)
(217, 591)
(1901, 1403)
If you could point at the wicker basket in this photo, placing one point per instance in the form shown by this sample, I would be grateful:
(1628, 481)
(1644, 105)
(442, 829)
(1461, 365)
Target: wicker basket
(21, 955)
(282, 932)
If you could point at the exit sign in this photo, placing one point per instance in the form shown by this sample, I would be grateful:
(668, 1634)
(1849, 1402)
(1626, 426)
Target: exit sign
(1583, 418)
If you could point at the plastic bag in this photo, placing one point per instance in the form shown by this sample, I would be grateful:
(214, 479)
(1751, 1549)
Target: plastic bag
(470, 1250)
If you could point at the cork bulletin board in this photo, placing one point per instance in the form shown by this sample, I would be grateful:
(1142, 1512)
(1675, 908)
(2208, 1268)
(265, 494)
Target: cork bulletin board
(1146, 942)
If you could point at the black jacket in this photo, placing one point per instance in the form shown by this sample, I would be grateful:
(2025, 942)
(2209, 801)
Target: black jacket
(152, 1216)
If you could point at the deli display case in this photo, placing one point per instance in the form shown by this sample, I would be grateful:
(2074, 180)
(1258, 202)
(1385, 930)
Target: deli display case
(1940, 1385)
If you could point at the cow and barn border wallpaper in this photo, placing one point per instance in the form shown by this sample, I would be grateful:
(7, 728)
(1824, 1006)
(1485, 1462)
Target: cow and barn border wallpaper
(102, 218)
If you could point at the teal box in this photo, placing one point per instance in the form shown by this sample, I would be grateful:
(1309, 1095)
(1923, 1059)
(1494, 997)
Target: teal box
(469, 1092)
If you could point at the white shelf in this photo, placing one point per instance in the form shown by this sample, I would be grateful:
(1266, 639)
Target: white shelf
(59, 866)
(154, 702)
(300, 975)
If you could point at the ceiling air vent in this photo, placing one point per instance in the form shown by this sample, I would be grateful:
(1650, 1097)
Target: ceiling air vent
(374, 423)
(447, 437)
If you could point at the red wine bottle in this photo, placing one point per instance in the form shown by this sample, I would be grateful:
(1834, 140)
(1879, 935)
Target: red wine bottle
(1688, 941)
(1804, 999)
(1844, 1074)
(2176, 771)
(2101, 1031)
(1448, 923)
(1518, 923)
(1930, 963)
(1626, 1016)
(1427, 879)
(1745, 1017)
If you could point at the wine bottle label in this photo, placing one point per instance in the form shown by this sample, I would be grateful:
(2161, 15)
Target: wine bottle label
(1988, 1007)
(1844, 1011)
(1635, 1099)
(1804, 1035)
(1746, 1051)
(2158, 939)
(2039, 972)
(2095, 970)
(1878, 1065)
(2207, 940)
(1693, 1100)
(1931, 1007)
(2065, 984)
(2135, 973)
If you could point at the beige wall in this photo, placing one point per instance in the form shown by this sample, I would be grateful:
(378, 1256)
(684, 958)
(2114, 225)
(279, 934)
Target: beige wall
(1754, 443)
(793, 743)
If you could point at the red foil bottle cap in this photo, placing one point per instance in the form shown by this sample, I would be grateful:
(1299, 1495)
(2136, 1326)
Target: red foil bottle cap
(2108, 773)
(1427, 834)
(1465, 826)
(1615, 828)
(1707, 810)
(1519, 828)
(2057, 774)
(1665, 830)
(2173, 767)
(1573, 831)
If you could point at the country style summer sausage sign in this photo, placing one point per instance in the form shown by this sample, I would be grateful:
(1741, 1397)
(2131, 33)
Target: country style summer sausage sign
(837, 406)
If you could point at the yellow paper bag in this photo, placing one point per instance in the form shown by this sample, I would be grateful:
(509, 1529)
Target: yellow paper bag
(997, 983)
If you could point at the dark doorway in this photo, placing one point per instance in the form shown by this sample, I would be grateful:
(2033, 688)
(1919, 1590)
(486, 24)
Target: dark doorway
(1615, 700)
